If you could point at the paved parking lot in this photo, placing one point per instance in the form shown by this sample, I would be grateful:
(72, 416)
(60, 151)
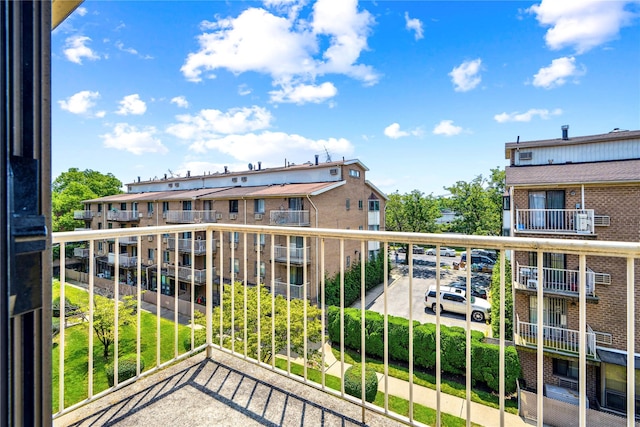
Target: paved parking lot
(424, 275)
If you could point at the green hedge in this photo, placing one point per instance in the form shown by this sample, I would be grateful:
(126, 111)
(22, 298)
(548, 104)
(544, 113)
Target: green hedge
(484, 357)
(126, 369)
(353, 382)
(373, 276)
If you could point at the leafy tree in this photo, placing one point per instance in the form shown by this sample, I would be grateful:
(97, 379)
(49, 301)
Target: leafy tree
(508, 302)
(104, 319)
(72, 187)
(478, 204)
(237, 327)
(412, 212)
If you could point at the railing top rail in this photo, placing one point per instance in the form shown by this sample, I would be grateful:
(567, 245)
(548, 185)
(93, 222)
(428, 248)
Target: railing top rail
(608, 248)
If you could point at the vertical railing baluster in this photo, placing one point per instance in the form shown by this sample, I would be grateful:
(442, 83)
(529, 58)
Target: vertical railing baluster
(342, 317)
(438, 331)
(582, 340)
(323, 307)
(92, 274)
(363, 350)
(540, 343)
(138, 303)
(63, 328)
(501, 368)
(232, 277)
(305, 303)
(258, 297)
(468, 338)
(273, 304)
(245, 290)
(410, 258)
(116, 300)
(631, 337)
(208, 298)
(288, 285)
(158, 298)
(386, 326)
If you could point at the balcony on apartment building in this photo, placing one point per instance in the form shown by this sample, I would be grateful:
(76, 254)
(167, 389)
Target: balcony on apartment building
(185, 246)
(555, 339)
(123, 260)
(123, 216)
(83, 215)
(295, 255)
(555, 221)
(558, 280)
(289, 218)
(189, 217)
(220, 379)
(81, 252)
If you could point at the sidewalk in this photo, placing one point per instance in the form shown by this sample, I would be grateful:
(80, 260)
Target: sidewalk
(480, 414)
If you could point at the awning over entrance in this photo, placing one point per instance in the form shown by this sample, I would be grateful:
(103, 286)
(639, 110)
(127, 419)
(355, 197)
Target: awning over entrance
(615, 357)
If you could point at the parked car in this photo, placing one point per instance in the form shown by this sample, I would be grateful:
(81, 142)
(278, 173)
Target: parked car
(444, 251)
(418, 250)
(454, 300)
(476, 290)
(477, 259)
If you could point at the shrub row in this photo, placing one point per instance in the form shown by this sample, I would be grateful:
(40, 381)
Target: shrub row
(484, 356)
(374, 275)
(126, 369)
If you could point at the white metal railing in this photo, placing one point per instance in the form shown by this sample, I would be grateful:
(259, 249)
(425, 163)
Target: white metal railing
(190, 217)
(295, 289)
(289, 218)
(124, 260)
(128, 240)
(296, 254)
(123, 216)
(184, 245)
(555, 338)
(81, 229)
(82, 215)
(554, 279)
(326, 244)
(565, 221)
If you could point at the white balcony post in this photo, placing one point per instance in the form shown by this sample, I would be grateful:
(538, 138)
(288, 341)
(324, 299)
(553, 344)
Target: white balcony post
(540, 345)
(209, 293)
(631, 337)
(582, 344)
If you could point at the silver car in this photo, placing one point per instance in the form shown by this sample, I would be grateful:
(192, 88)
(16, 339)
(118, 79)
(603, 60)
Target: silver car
(455, 301)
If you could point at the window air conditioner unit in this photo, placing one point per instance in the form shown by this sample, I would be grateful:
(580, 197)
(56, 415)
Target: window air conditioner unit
(601, 220)
(259, 217)
(99, 214)
(150, 214)
(164, 215)
(165, 265)
(164, 240)
(218, 216)
(150, 238)
(140, 215)
(526, 155)
(333, 171)
(582, 223)
(233, 216)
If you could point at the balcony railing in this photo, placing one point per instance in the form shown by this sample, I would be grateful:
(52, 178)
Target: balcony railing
(227, 331)
(190, 217)
(554, 280)
(554, 338)
(185, 273)
(296, 291)
(185, 245)
(289, 218)
(83, 215)
(296, 254)
(123, 216)
(562, 221)
(124, 260)
(81, 252)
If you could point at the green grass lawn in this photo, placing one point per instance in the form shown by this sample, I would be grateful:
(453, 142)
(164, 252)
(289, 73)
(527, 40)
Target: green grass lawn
(396, 404)
(76, 377)
(429, 381)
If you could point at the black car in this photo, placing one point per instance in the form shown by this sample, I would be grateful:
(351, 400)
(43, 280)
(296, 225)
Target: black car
(476, 291)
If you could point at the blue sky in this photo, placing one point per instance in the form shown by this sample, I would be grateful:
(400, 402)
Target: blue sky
(425, 93)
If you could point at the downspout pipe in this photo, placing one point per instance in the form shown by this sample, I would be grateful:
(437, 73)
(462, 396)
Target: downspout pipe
(315, 208)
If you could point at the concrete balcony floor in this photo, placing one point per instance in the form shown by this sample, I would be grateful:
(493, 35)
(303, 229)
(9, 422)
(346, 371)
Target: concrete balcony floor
(223, 391)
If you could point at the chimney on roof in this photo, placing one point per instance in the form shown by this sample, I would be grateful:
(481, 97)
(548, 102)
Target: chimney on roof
(317, 159)
(188, 174)
(138, 179)
(165, 176)
(565, 132)
(226, 170)
(259, 165)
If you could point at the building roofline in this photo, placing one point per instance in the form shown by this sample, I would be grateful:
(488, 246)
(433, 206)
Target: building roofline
(376, 189)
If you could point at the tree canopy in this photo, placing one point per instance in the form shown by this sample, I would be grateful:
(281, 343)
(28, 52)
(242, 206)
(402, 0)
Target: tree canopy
(70, 188)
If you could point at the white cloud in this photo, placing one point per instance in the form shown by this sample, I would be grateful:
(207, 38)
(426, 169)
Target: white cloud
(76, 48)
(393, 131)
(81, 11)
(244, 90)
(526, 116)
(557, 73)
(211, 123)
(136, 141)
(414, 24)
(121, 47)
(304, 93)
(180, 101)
(287, 48)
(581, 24)
(80, 103)
(466, 76)
(271, 148)
(447, 128)
(132, 104)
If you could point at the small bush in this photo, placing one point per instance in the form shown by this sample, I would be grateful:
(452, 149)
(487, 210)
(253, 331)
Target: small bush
(126, 369)
(55, 326)
(353, 382)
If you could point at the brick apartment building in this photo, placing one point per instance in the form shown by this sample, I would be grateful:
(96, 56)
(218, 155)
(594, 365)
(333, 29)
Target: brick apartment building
(584, 188)
(313, 194)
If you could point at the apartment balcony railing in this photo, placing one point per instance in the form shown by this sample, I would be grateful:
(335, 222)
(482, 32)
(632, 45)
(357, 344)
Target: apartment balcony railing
(228, 334)
(557, 339)
(123, 216)
(296, 255)
(84, 215)
(289, 218)
(189, 217)
(562, 221)
(556, 280)
(81, 229)
(296, 291)
(186, 273)
(124, 260)
(81, 252)
(198, 246)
